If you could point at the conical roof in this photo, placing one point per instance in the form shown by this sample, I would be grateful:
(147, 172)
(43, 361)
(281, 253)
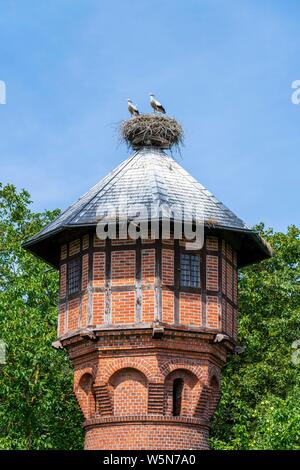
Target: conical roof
(150, 178)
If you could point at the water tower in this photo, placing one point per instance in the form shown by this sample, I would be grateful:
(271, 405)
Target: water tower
(148, 322)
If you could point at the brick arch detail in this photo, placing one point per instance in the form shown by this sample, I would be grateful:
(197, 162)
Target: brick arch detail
(169, 366)
(86, 399)
(80, 373)
(114, 365)
(215, 393)
(192, 385)
(214, 371)
(185, 372)
(112, 378)
(128, 388)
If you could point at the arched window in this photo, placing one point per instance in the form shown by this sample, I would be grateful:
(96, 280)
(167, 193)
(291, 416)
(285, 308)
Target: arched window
(214, 394)
(177, 396)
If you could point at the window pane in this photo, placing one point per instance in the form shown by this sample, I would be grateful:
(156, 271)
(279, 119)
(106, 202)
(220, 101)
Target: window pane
(74, 276)
(189, 270)
(195, 271)
(185, 270)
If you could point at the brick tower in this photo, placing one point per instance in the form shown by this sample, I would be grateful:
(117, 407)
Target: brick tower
(147, 322)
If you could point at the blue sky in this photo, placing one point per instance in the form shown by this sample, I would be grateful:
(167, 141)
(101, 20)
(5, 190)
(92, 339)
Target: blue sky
(223, 68)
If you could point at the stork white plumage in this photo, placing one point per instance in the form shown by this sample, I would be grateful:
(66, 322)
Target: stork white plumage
(156, 105)
(132, 108)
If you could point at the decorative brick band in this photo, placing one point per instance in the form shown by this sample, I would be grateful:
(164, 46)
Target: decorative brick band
(152, 419)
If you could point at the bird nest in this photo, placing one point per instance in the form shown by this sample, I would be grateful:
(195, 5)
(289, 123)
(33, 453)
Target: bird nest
(151, 130)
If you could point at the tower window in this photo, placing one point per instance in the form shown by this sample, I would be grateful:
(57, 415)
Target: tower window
(74, 276)
(177, 396)
(189, 270)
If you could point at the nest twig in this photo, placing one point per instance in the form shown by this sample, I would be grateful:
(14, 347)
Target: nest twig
(151, 130)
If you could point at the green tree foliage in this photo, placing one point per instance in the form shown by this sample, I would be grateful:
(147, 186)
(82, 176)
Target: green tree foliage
(260, 388)
(37, 406)
(260, 405)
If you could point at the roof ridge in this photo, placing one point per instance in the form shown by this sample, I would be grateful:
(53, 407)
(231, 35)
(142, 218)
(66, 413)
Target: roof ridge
(154, 174)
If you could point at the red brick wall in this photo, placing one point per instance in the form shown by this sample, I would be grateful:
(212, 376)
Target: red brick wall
(212, 312)
(212, 272)
(190, 309)
(63, 281)
(98, 269)
(148, 266)
(84, 313)
(229, 280)
(123, 307)
(229, 314)
(98, 308)
(167, 306)
(74, 247)
(229, 290)
(85, 242)
(85, 271)
(63, 252)
(144, 436)
(123, 268)
(73, 314)
(212, 243)
(168, 266)
(130, 393)
(131, 387)
(148, 306)
(61, 319)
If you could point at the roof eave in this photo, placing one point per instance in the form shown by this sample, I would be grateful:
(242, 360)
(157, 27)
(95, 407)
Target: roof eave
(250, 246)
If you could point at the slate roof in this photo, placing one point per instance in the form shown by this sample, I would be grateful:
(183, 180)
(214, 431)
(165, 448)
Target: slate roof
(151, 178)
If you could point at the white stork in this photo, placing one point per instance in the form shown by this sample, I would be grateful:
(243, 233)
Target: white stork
(132, 108)
(156, 105)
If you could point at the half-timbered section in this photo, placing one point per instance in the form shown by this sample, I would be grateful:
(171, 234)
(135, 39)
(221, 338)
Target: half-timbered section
(126, 282)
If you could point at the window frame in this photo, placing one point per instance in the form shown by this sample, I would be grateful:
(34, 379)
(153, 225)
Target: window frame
(190, 280)
(77, 261)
